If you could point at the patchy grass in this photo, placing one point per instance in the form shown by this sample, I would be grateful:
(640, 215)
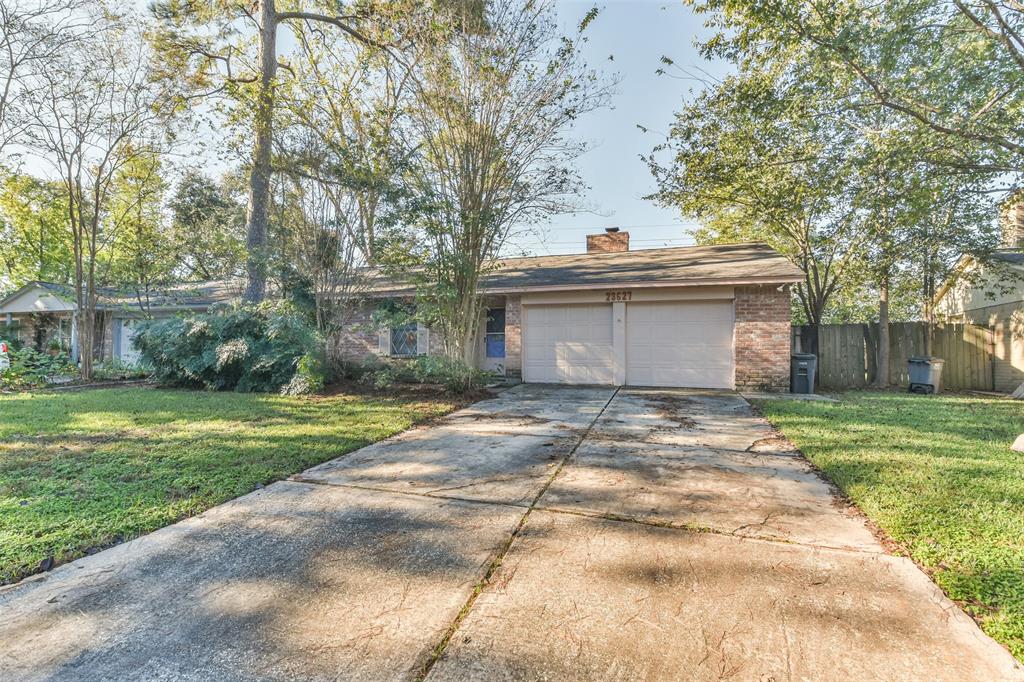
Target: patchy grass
(937, 474)
(83, 470)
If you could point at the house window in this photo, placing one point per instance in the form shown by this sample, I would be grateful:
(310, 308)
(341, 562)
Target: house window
(495, 333)
(403, 340)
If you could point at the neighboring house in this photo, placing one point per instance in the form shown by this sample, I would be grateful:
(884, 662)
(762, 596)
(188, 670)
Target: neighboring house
(992, 294)
(42, 314)
(699, 316)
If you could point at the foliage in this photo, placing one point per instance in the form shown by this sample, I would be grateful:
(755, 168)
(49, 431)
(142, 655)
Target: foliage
(83, 470)
(245, 348)
(34, 242)
(797, 150)
(114, 370)
(142, 255)
(937, 474)
(455, 376)
(208, 228)
(95, 114)
(227, 54)
(31, 368)
(310, 376)
(495, 102)
(951, 72)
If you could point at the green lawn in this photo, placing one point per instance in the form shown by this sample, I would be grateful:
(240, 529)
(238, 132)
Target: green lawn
(80, 470)
(937, 473)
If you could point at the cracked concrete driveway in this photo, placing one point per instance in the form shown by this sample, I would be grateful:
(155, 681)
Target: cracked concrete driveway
(549, 533)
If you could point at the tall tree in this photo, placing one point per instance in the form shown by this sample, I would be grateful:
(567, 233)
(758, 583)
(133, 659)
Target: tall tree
(764, 156)
(93, 113)
(225, 48)
(347, 128)
(496, 100)
(142, 257)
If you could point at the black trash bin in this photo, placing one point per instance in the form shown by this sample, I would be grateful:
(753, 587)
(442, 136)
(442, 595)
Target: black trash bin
(925, 374)
(802, 368)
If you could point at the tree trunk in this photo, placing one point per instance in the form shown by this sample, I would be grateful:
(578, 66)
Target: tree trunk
(882, 372)
(258, 209)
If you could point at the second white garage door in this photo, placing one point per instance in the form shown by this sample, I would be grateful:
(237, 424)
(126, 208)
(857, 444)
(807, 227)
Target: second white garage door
(568, 344)
(680, 344)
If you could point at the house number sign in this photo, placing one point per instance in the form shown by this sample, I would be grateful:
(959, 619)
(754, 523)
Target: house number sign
(618, 295)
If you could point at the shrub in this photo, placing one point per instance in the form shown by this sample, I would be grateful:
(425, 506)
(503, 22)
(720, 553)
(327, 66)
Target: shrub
(31, 368)
(453, 375)
(245, 348)
(118, 369)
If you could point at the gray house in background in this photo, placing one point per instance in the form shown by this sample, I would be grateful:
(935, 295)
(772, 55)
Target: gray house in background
(41, 315)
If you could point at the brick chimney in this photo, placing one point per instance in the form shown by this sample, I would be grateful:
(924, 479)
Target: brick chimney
(611, 241)
(1013, 222)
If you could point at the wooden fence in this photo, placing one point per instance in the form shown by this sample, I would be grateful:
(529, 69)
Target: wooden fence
(847, 353)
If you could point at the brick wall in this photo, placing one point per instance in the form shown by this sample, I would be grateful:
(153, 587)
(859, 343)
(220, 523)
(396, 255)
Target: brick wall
(513, 337)
(762, 338)
(356, 341)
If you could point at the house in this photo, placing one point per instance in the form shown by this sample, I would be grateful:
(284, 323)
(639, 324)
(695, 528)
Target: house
(991, 294)
(42, 314)
(697, 316)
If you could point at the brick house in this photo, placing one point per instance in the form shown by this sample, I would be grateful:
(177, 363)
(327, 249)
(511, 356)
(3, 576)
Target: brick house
(697, 316)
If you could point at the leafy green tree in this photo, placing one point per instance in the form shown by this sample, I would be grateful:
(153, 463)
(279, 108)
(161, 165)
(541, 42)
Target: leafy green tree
(765, 157)
(94, 111)
(494, 104)
(207, 229)
(142, 257)
(34, 239)
(953, 71)
(229, 50)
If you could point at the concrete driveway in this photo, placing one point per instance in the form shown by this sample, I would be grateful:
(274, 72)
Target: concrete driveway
(549, 533)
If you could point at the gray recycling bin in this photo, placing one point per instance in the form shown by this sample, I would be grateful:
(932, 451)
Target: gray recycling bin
(802, 368)
(925, 374)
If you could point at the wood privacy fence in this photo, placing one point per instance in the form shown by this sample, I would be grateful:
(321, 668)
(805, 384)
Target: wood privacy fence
(847, 353)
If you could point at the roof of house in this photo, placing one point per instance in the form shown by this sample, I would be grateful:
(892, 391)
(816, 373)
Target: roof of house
(1011, 256)
(172, 297)
(722, 264)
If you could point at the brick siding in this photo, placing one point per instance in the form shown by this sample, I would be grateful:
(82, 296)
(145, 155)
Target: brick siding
(608, 242)
(513, 337)
(762, 338)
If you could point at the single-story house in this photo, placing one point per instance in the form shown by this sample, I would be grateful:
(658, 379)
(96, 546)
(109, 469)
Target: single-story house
(992, 294)
(696, 316)
(42, 314)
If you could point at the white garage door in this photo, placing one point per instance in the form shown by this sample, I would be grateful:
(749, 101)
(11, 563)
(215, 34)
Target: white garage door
(680, 344)
(569, 344)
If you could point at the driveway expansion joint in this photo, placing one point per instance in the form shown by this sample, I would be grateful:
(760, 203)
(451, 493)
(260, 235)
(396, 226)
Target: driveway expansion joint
(439, 650)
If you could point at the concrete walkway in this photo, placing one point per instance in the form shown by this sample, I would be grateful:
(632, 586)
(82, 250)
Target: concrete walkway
(550, 533)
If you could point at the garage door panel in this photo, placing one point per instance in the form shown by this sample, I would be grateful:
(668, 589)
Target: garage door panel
(680, 344)
(568, 344)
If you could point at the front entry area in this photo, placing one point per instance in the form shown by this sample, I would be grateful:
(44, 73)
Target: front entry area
(646, 340)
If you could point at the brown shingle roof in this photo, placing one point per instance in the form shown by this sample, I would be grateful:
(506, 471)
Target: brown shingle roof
(682, 266)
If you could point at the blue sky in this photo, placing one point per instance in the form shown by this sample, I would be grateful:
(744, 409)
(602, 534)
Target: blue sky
(637, 33)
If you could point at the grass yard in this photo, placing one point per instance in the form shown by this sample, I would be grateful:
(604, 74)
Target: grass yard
(82, 470)
(937, 473)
